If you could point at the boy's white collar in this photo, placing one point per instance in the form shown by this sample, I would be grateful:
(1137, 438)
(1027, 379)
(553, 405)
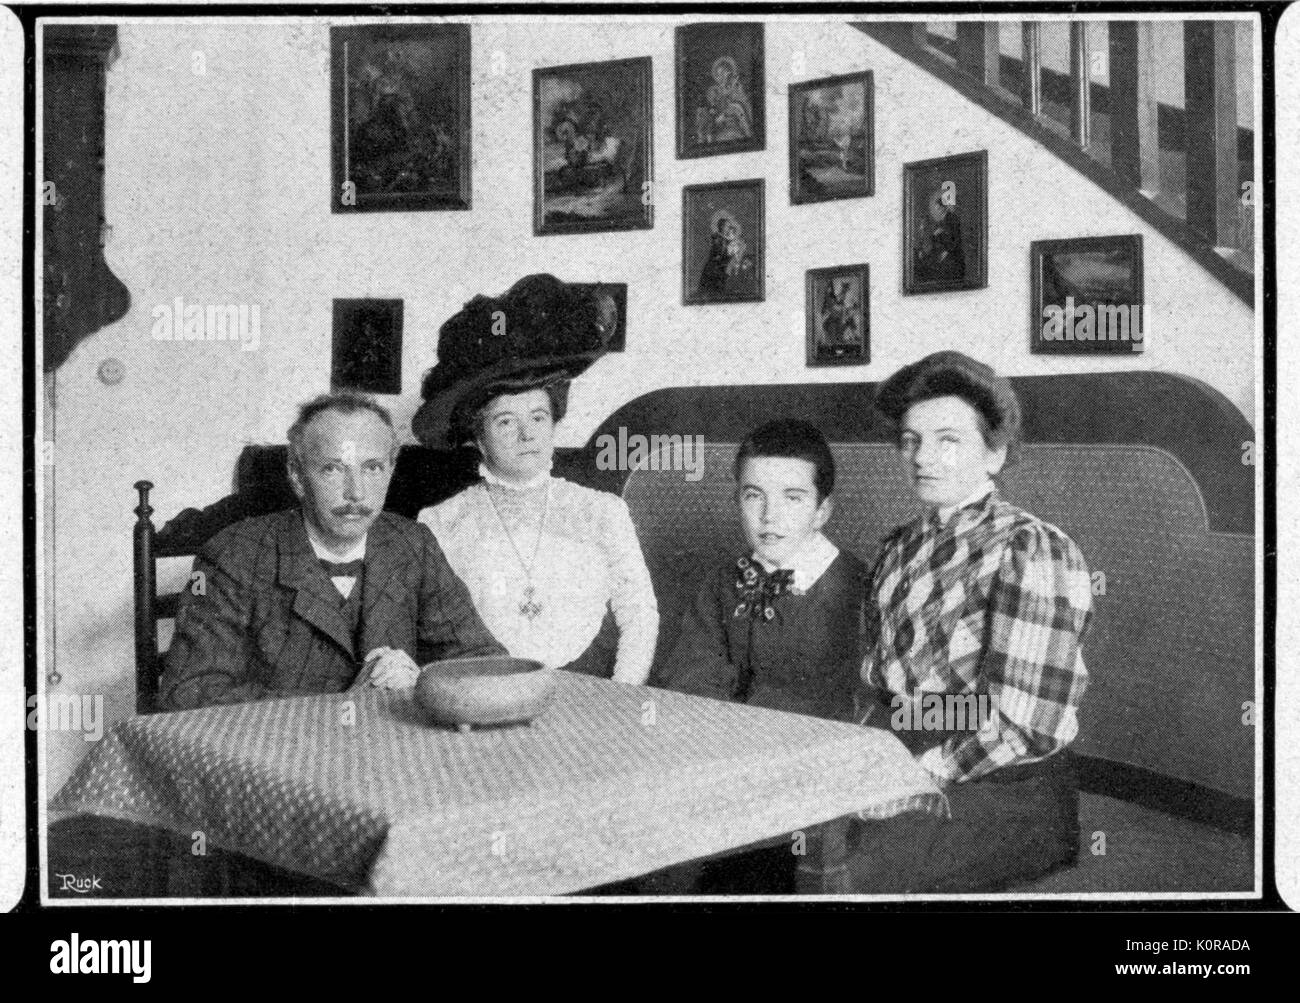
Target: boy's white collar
(809, 562)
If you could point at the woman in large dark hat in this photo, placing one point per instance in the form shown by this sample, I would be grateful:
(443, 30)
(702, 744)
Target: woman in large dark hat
(976, 614)
(547, 562)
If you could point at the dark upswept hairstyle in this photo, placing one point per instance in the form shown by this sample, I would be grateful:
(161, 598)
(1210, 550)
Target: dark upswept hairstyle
(799, 440)
(342, 401)
(468, 416)
(952, 374)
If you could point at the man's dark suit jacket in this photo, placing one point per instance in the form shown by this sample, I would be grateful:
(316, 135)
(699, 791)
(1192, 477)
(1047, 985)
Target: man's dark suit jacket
(264, 619)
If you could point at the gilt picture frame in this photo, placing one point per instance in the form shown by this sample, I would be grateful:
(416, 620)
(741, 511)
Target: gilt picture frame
(721, 99)
(593, 138)
(946, 224)
(832, 138)
(400, 118)
(723, 242)
(1087, 296)
(838, 312)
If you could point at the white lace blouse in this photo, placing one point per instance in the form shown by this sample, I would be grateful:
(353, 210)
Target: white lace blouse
(545, 598)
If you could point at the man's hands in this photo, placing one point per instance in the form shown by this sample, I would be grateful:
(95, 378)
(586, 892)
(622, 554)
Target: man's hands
(390, 669)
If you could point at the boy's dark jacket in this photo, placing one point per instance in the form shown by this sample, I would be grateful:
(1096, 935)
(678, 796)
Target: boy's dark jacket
(806, 658)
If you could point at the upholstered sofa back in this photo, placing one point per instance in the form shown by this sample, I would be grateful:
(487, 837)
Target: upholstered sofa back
(1171, 651)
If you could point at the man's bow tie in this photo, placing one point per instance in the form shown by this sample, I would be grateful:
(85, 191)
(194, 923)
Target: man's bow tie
(348, 569)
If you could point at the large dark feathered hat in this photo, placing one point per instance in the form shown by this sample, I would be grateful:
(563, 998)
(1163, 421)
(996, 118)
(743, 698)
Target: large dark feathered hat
(541, 331)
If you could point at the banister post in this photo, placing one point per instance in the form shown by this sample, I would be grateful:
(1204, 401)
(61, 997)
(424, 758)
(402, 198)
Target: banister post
(977, 50)
(1080, 85)
(1134, 125)
(1031, 62)
(1210, 97)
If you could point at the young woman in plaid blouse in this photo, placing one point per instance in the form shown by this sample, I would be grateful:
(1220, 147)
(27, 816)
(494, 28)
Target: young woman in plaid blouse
(975, 617)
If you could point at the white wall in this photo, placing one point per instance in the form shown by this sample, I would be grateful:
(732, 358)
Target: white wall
(218, 191)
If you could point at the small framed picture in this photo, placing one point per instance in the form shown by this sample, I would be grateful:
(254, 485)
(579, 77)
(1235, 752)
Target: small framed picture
(592, 129)
(400, 122)
(367, 346)
(720, 89)
(1087, 295)
(839, 316)
(617, 290)
(722, 242)
(946, 223)
(832, 138)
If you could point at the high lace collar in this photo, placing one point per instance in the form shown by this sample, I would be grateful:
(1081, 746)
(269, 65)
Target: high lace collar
(533, 482)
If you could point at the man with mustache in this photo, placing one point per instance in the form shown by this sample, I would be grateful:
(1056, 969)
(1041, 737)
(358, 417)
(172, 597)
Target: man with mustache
(332, 594)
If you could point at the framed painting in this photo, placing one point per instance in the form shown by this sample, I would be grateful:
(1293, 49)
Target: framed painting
(1087, 296)
(720, 89)
(838, 312)
(946, 223)
(367, 346)
(617, 290)
(400, 117)
(592, 137)
(722, 242)
(832, 138)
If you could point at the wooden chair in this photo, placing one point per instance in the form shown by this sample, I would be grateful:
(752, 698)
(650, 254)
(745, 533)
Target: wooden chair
(150, 607)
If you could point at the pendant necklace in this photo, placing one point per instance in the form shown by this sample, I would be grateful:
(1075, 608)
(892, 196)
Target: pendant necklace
(529, 608)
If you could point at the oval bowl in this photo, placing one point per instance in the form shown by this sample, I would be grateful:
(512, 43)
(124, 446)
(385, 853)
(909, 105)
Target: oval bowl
(486, 690)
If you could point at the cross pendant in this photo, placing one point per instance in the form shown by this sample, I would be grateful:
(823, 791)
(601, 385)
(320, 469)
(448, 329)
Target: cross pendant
(529, 608)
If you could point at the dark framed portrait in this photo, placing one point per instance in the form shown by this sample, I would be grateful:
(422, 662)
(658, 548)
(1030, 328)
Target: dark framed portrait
(723, 242)
(946, 223)
(1087, 295)
(618, 291)
(400, 117)
(832, 138)
(838, 307)
(367, 346)
(720, 89)
(592, 135)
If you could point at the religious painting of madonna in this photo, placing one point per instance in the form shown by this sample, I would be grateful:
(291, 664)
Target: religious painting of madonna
(722, 242)
(592, 142)
(945, 223)
(400, 117)
(720, 107)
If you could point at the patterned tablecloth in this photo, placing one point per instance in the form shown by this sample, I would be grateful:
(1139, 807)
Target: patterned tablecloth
(611, 782)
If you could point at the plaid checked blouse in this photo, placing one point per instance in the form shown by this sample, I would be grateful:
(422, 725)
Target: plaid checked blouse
(993, 602)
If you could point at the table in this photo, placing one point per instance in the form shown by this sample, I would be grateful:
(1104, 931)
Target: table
(611, 782)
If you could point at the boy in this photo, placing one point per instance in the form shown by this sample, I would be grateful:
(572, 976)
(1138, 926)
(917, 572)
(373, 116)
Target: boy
(778, 627)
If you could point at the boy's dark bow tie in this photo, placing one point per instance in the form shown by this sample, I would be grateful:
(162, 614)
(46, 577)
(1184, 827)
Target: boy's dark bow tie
(759, 587)
(348, 569)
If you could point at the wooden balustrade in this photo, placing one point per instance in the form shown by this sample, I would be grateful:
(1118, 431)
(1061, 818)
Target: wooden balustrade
(1205, 130)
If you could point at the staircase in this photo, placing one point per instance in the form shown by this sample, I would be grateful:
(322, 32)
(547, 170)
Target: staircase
(1186, 169)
